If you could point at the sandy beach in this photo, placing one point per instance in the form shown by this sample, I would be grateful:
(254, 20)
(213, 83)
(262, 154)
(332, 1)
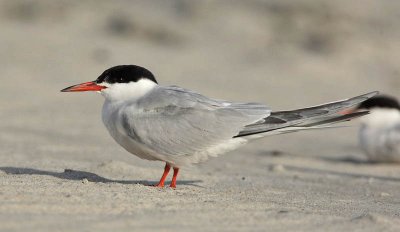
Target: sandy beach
(61, 171)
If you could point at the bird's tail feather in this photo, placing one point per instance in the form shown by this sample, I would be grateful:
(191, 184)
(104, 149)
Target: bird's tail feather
(317, 117)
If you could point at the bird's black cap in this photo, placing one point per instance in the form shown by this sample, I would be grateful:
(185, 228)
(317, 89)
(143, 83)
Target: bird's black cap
(125, 74)
(381, 101)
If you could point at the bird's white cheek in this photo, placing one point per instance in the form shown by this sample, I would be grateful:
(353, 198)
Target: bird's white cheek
(105, 93)
(130, 91)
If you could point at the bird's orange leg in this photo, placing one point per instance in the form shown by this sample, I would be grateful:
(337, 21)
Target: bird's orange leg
(173, 183)
(164, 176)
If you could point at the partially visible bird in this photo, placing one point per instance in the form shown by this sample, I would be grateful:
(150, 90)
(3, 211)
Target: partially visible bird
(181, 127)
(379, 134)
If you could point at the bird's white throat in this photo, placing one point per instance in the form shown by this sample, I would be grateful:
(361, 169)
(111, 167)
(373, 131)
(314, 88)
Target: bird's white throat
(127, 91)
(382, 117)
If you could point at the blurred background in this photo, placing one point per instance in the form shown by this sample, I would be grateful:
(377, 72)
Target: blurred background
(286, 54)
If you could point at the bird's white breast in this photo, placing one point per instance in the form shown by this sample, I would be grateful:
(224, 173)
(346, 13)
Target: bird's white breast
(375, 135)
(112, 119)
(117, 97)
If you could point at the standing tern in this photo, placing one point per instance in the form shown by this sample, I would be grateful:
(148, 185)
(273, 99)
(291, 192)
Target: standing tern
(379, 134)
(181, 127)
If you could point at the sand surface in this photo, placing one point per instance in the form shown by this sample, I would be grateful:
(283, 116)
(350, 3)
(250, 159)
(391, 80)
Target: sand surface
(61, 171)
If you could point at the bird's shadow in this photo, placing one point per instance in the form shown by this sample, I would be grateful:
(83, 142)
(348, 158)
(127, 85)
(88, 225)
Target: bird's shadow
(70, 174)
(358, 161)
(342, 174)
(349, 159)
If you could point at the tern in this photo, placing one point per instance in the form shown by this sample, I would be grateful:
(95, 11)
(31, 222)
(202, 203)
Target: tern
(181, 127)
(379, 134)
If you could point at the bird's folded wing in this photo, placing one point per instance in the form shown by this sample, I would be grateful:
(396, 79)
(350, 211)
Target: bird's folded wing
(174, 121)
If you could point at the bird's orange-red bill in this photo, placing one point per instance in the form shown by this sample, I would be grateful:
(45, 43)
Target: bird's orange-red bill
(87, 86)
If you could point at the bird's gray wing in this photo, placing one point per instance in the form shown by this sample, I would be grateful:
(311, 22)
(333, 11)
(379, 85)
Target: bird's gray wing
(175, 121)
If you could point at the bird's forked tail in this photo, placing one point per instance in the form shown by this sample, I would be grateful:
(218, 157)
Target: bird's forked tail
(316, 117)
